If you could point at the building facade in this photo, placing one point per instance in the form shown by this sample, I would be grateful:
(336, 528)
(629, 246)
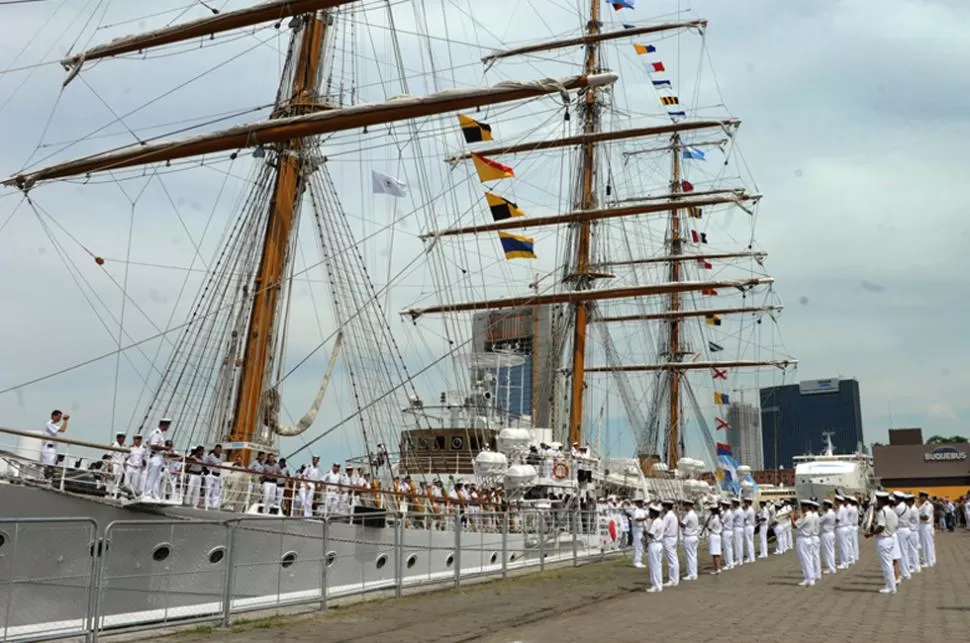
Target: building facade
(526, 388)
(744, 434)
(794, 417)
(906, 464)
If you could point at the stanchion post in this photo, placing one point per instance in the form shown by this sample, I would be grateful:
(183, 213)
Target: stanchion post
(577, 518)
(231, 527)
(541, 531)
(398, 555)
(324, 577)
(505, 544)
(457, 550)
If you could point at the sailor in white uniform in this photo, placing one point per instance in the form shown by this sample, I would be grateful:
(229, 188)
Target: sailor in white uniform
(117, 465)
(817, 541)
(213, 482)
(671, 532)
(691, 530)
(828, 522)
(738, 514)
(134, 466)
(884, 530)
(714, 530)
(911, 517)
(843, 532)
(638, 520)
(853, 516)
(750, 519)
(901, 552)
(655, 549)
(805, 526)
(764, 519)
(332, 494)
(926, 535)
(48, 450)
(779, 529)
(727, 534)
(156, 460)
(309, 485)
(195, 472)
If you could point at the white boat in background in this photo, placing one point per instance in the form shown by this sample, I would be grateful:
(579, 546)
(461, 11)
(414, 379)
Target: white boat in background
(820, 476)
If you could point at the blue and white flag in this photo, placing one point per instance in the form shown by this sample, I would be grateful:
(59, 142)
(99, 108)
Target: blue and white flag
(662, 84)
(694, 153)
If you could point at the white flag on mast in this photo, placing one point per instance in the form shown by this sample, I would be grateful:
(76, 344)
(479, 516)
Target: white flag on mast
(384, 184)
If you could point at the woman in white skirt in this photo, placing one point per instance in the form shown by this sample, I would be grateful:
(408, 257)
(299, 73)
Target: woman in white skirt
(714, 530)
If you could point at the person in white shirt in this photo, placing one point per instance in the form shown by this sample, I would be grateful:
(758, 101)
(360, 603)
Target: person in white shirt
(853, 515)
(195, 472)
(213, 482)
(331, 491)
(691, 529)
(134, 465)
(156, 460)
(309, 485)
(884, 530)
(671, 525)
(117, 465)
(48, 450)
(842, 531)
(926, 535)
(655, 549)
(901, 551)
(749, 523)
(764, 519)
(714, 529)
(804, 527)
(727, 534)
(638, 520)
(828, 521)
(912, 540)
(779, 528)
(738, 513)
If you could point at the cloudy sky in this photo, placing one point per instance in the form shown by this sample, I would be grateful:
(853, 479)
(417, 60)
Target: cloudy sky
(850, 109)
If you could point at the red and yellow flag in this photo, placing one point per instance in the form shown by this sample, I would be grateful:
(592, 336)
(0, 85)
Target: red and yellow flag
(489, 170)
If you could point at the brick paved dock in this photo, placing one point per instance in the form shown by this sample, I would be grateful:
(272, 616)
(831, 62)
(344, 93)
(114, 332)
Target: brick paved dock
(606, 602)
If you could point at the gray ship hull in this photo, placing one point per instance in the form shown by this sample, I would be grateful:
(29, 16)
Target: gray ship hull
(176, 563)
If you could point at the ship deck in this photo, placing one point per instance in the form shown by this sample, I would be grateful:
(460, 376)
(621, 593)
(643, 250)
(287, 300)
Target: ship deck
(605, 600)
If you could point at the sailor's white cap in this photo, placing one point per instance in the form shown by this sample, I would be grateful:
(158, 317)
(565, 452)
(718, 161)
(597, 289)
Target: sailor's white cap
(839, 497)
(899, 494)
(725, 503)
(810, 503)
(120, 434)
(924, 493)
(667, 501)
(827, 502)
(882, 494)
(686, 501)
(165, 420)
(656, 508)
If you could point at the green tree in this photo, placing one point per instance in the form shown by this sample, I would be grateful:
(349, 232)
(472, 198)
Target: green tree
(939, 439)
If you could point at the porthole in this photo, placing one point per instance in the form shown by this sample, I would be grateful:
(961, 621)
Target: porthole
(492, 558)
(450, 560)
(3, 539)
(216, 555)
(411, 561)
(161, 552)
(331, 558)
(381, 561)
(288, 559)
(512, 557)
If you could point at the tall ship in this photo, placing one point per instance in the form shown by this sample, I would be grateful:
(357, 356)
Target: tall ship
(509, 250)
(828, 473)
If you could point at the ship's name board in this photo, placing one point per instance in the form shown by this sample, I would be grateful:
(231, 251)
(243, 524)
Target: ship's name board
(944, 455)
(812, 387)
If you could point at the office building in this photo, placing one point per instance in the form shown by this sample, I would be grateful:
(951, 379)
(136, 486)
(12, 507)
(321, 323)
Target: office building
(794, 417)
(744, 434)
(907, 464)
(526, 388)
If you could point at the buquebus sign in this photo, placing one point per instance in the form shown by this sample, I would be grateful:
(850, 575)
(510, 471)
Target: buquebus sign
(944, 454)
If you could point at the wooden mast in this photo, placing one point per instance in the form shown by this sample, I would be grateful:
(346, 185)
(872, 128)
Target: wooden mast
(588, 202)
(272, 264)
(673, 435)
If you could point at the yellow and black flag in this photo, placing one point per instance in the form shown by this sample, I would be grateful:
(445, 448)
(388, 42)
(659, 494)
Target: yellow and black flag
(474, 131)
(669, 100)
(502, 209)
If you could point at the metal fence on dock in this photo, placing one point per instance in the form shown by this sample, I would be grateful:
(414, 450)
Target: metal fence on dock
(66, 578)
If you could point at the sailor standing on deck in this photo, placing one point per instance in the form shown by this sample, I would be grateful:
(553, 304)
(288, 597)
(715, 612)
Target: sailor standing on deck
(926, 535)
(117, 465)
(671, 526)
(194, 471)
(911, 518)
(133, 466)
(828, 522)
(57, 424)
(714, 529)
(655, 548)
(764, 519)
(309, 486)
(213, 482)
(727, 534)
(691, 530)
(750, 519)
(884, 528)
(738, 513)
(156, 460)
(331, 490)
(805, 525)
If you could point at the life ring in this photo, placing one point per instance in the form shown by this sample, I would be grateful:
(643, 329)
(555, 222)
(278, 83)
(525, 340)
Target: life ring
(560, 471)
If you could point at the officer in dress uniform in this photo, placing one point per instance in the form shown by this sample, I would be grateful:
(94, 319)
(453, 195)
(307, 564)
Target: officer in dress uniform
(671, 531)
(853, 517)
(117, 465)
(764, 520)
(638, 521)
(655, 549)
(213, 482)
(48, 451)
(156, 460)
(134, 465)
(195, 471)
(331, 489)
(749, 523)
(901, 552)
(926, 535)
(884, 530)
(842, 531)
(816, 541)
(738, 515)
(691, 530)
(804, 526)
(714, 530)
(727, 534)
(911, 518)
(309, 486)
(271, 471)
(828, 522)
